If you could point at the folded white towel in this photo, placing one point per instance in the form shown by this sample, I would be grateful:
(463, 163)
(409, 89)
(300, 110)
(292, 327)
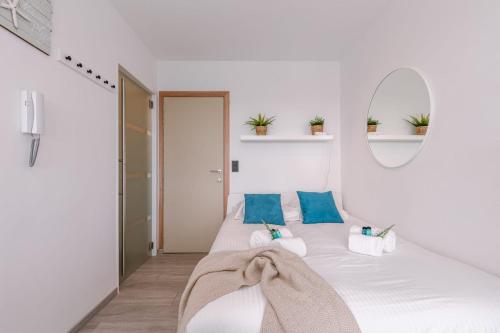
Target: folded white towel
(389, 239)
(373, 246)
(263, 237)
(295, 245)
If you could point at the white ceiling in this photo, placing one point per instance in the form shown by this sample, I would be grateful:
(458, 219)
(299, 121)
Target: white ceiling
(248, 29)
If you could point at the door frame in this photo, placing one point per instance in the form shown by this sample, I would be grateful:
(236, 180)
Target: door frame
(161, 143)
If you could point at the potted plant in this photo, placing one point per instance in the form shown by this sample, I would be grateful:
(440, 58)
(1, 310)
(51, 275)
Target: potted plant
(317, 125)
(421, 123)
(260, 123)
(372, 124)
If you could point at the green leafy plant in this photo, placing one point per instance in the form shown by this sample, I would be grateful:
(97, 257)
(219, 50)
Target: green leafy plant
(422, 120)
(384, 232)
(275, 233)
(317, 121)
(260, 120)
(372, 121)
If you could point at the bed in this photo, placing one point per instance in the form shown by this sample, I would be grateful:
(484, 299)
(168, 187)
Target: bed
(409, 290)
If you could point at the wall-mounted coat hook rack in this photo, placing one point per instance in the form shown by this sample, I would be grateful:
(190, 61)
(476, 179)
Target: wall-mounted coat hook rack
(85, 70)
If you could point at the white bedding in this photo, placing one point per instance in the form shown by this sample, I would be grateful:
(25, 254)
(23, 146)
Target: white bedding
(409, 290)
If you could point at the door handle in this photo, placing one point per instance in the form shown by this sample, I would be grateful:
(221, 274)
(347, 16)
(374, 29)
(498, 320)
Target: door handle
(219, 171)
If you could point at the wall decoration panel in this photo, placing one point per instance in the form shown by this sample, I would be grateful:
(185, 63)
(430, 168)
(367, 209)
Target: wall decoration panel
(30, 20)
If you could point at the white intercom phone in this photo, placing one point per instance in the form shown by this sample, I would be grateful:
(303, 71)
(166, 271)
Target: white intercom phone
(32, 119)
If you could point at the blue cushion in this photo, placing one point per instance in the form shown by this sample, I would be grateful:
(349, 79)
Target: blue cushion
(318, 207)
(265, 207)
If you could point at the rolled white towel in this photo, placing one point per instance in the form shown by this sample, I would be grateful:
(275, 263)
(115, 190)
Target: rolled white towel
(295, 245)
(373, 246)
(260, 238)
(389, 239)
(390, 242)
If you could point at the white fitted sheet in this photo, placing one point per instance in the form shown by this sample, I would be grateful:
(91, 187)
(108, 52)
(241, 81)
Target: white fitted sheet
(409, 290)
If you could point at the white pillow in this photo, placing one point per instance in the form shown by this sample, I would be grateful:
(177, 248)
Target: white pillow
(240, 211)
(291, 214)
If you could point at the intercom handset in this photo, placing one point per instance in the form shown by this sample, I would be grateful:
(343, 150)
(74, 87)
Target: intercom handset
(32, 120)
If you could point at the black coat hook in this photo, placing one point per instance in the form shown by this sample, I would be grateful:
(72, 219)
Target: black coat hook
(106, 81)
(68, 58)
(113, 86)
(79, 65)
(89, 71)
(98, 77)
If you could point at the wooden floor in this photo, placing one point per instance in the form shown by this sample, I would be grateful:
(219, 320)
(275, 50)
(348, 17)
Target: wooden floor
(149, 298)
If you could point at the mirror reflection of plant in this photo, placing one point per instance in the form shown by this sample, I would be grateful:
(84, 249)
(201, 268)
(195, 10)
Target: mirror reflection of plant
(372, 121)
(317, 121)
(422, 120)
(260, 120)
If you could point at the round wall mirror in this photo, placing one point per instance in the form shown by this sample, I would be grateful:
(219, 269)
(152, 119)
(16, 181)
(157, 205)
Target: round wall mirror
(399, 117)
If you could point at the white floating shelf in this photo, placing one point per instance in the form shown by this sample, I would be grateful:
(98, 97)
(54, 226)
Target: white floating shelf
(395, 138)
(286, 138)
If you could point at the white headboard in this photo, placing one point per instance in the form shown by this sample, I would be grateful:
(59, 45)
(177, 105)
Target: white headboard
(232, 202)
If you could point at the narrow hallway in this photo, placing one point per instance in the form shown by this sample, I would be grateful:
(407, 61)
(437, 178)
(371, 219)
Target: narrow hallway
(149, 298)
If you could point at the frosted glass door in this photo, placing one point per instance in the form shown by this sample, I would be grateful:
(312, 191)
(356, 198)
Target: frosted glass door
(135, 174)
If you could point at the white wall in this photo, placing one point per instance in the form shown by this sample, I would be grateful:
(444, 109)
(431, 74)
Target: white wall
(58, 222)
(293, 91)
(448, 198)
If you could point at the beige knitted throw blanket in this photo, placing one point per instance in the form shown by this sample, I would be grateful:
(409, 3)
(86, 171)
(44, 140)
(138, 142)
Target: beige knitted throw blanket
(298, 299)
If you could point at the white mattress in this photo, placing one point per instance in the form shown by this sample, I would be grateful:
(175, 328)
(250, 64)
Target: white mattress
(409, 290)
